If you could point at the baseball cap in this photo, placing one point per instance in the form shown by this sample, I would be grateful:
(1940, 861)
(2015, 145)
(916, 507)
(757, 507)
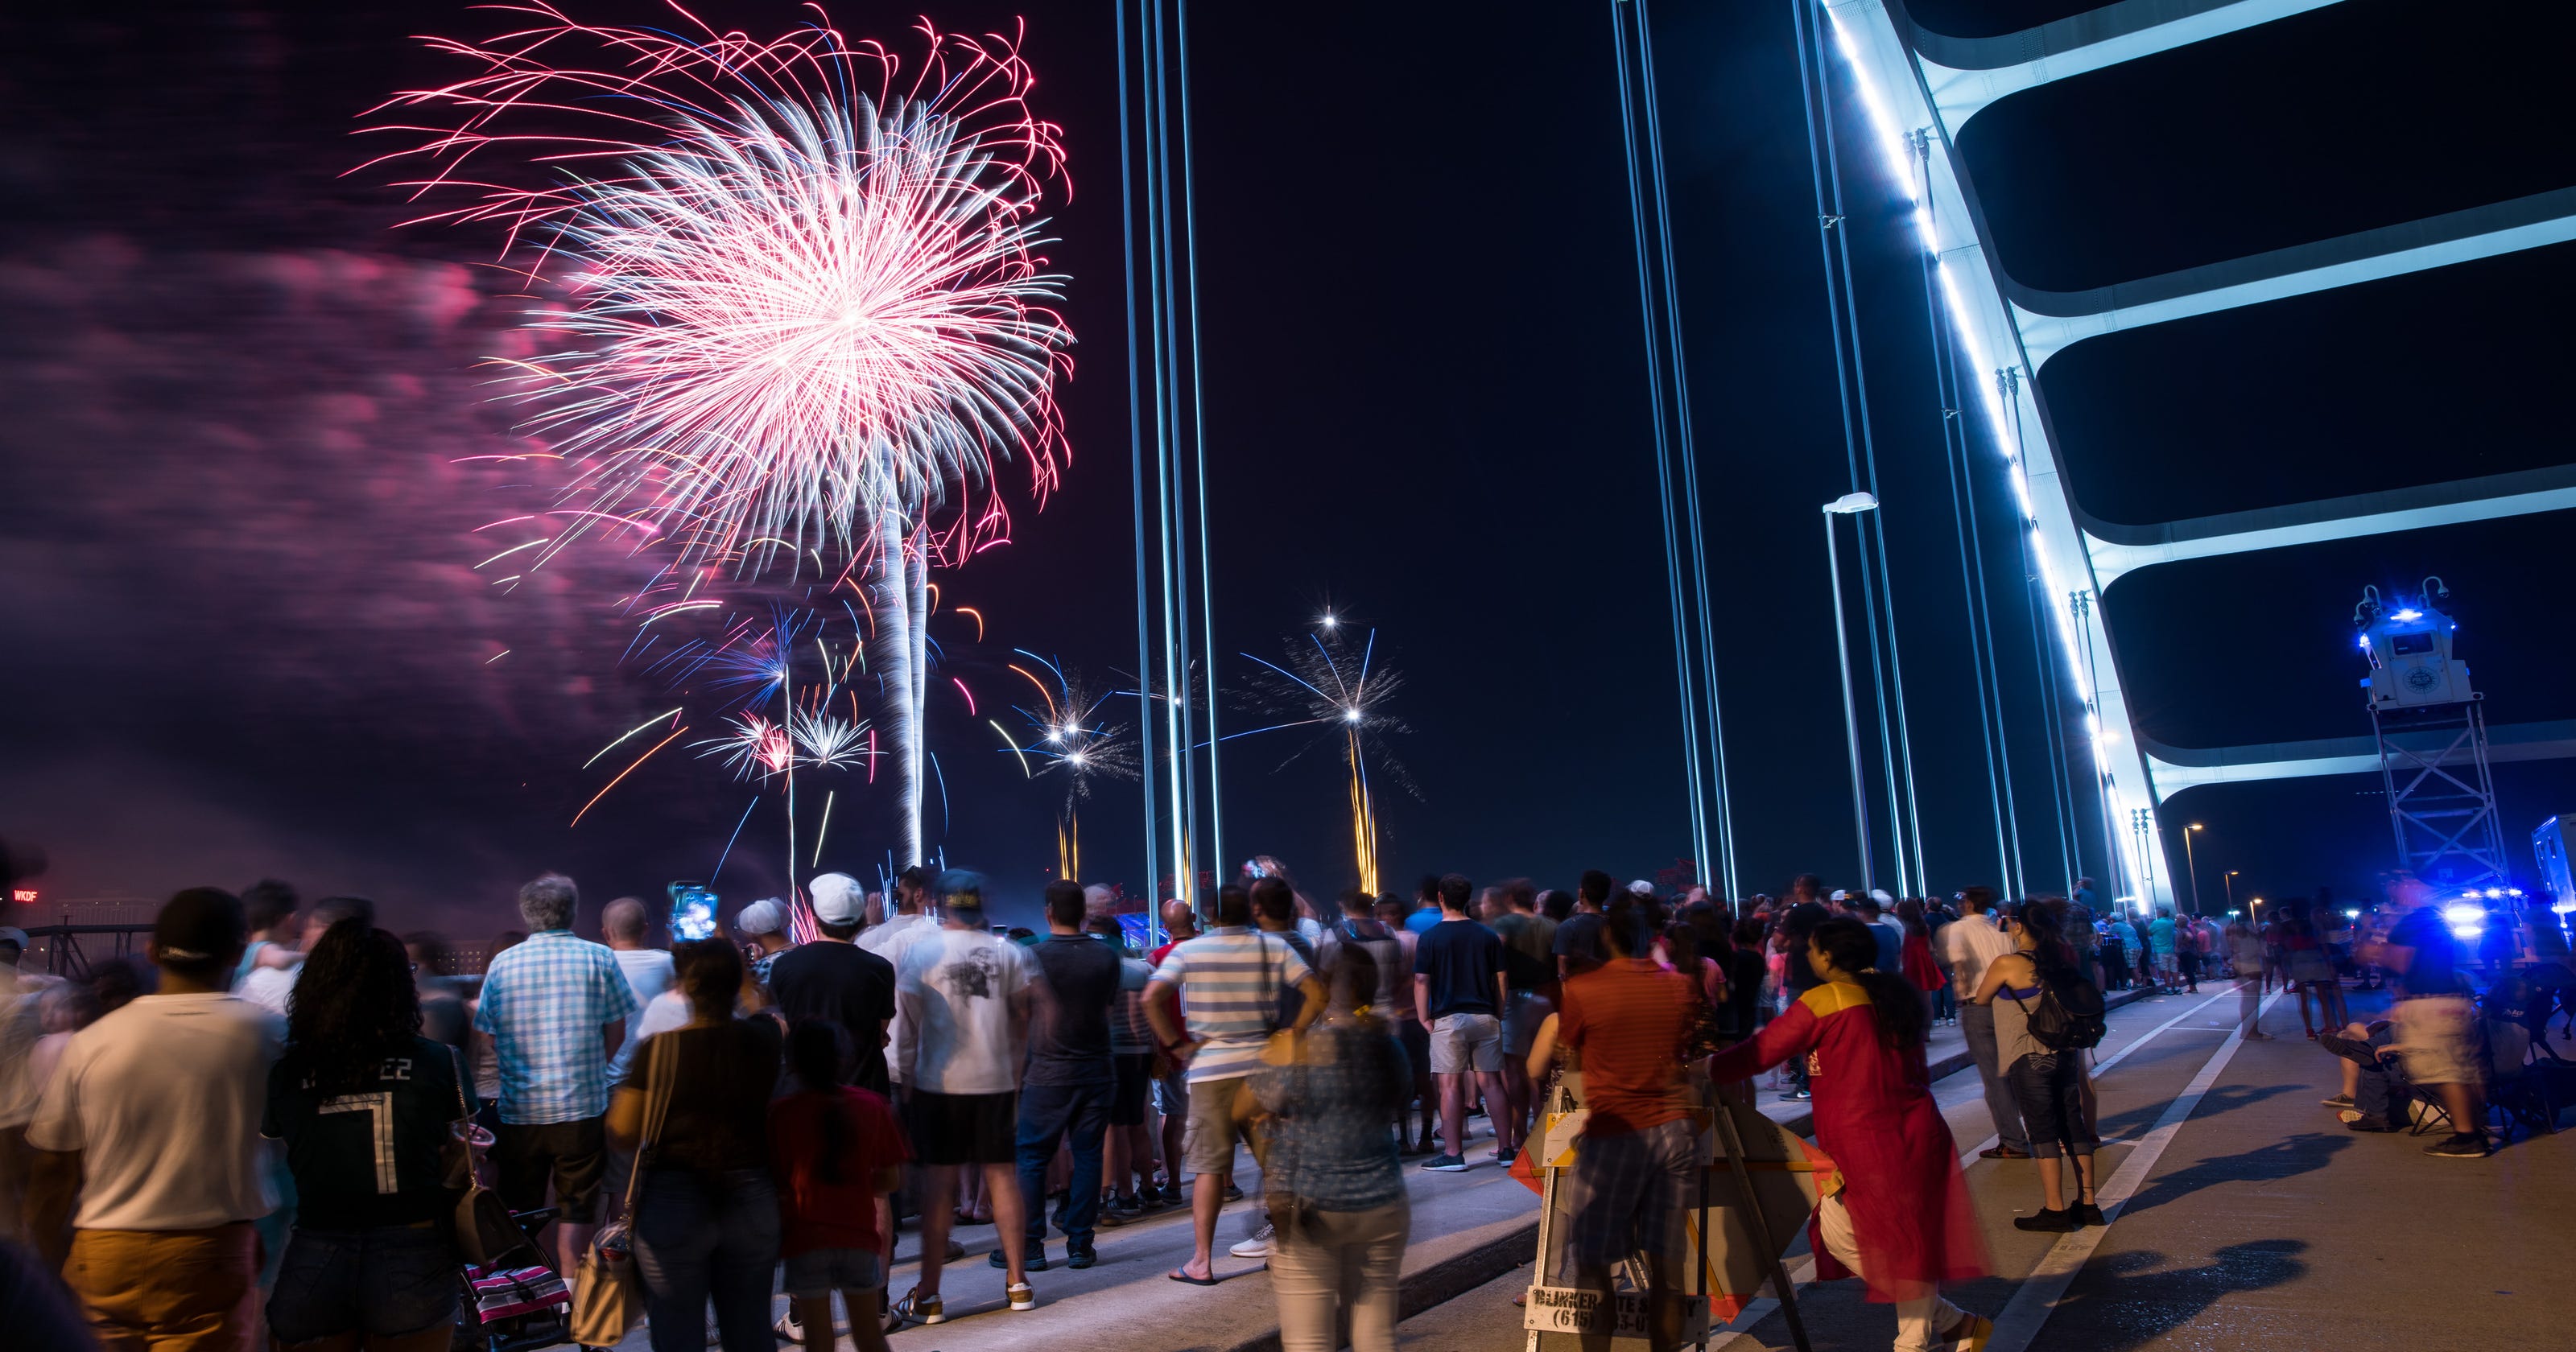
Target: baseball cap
(962, 890)
(765, 916)
(838, 899)
(11, 934)
(200, 925)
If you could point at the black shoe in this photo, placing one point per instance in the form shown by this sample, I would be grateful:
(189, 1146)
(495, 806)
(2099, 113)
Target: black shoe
(1037, 1260)
(1232, 1193)
(1080, 1256)
(2372, 1126)
(2464, 1145)
(2088, 1214)
(2002, 1152)
(2049, 1222)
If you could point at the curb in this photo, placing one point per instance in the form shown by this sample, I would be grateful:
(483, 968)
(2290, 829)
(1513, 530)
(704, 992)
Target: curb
(1461, 1273)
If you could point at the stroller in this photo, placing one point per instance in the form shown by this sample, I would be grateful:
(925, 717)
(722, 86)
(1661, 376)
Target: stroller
(518, 1302)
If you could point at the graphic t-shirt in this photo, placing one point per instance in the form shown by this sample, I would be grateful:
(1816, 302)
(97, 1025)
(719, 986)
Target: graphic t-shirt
(1462, 958)
(371, 1157)
(956, 992)
(816, 1212)
(849, 986)
(1069, 1037)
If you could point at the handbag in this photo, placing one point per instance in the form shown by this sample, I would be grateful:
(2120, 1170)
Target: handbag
(484, 1232)
(607, 1295)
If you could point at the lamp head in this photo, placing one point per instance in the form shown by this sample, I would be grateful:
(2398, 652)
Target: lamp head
(1849, 503)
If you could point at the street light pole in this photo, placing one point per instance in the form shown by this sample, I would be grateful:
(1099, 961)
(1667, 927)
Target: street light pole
(1846, 505)
(2193, 864)
(2230, 880)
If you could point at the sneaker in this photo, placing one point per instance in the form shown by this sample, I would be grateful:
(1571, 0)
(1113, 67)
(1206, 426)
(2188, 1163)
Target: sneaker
(1256, 1247)
(2002, 1152)
(916, 1308)
(1798, 1095)
(2338, 1101)
(2459, 1146)
(1504, 1157)
(788, 1328)
(2089, 1213)
(1080, 1256)
(1036, 1261)
(2049, 1222)
(1022, 1296)
(1446, 1164)
(1232, 1193)
(2360, 1123)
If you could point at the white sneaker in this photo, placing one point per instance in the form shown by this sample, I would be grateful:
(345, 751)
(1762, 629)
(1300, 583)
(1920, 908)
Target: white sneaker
(788, 1328)
(1256, 1247)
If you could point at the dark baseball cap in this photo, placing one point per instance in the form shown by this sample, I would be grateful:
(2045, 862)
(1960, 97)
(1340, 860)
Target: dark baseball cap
(200, 925)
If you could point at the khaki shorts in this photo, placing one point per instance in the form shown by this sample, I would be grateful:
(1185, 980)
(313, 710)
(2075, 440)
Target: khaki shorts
(1207, 1146)
(2437, 1036)
(1464, 1042)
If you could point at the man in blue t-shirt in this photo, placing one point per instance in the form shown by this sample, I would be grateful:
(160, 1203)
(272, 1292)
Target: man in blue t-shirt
(1426, 905)
(1458, 991)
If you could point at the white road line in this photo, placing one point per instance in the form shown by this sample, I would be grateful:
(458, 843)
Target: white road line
(2037, 1296)
(1803, 1272)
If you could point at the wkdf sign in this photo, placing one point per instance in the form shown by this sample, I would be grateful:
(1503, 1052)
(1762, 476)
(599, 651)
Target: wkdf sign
(1621, 1314)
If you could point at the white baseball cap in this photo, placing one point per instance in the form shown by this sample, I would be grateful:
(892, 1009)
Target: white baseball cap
(838, 899)
(765, 916)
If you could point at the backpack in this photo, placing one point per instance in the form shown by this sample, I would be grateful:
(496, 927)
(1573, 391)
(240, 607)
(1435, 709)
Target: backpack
(2067, 1016)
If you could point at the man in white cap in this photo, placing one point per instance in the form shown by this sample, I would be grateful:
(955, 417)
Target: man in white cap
(833, 978)
(762, 924)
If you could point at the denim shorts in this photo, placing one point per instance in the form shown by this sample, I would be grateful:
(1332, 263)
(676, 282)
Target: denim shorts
(383, 1282)
(820, 1272)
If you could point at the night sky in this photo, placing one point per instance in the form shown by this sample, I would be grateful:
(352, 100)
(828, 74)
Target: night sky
(243, 635)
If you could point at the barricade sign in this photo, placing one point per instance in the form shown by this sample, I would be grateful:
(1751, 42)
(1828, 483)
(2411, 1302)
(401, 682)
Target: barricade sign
(1621, 1314)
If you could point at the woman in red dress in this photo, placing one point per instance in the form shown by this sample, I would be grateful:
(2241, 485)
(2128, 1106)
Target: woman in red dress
(1897, 1213)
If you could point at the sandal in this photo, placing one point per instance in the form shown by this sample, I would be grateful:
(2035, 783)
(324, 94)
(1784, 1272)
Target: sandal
(1179, 1276)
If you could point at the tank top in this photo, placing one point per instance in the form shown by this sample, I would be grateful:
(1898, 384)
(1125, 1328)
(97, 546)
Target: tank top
(2012, 1025)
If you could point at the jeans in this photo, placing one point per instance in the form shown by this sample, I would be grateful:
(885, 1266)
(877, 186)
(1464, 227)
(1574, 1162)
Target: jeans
(1340, 1260)
(1049, 1113)
(707, 1236)
(2050, 1086)
(383, 1282)
(1977, 1025)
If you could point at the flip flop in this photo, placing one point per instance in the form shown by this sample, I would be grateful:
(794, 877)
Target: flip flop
(1179, 1276)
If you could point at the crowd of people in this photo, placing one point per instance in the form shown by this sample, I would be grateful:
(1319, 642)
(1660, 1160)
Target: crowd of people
(262, 1131)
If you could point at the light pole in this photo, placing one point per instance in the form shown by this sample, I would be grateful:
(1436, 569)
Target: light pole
(2230, 880)
(2192, 864)
(1849, 504)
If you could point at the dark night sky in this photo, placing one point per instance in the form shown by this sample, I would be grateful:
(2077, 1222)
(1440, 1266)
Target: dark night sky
(244, 636)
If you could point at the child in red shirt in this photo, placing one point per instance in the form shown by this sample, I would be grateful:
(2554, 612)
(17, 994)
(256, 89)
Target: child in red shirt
(834, 1150)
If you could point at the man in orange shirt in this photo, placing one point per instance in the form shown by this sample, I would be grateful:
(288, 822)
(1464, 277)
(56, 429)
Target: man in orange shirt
(1626, 1024)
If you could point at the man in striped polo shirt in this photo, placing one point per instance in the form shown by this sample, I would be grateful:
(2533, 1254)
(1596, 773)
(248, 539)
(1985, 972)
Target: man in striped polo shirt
(1227, 984)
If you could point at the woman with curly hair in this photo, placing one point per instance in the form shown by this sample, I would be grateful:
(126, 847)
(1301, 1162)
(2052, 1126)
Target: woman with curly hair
(365, 1105)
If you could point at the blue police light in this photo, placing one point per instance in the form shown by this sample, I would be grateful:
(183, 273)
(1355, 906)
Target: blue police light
(2408, 614)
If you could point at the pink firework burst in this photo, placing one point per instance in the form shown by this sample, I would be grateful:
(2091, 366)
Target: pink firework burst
(799, 297)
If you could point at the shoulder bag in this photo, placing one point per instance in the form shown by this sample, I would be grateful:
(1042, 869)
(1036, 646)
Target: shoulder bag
(484, 1232)
(607, 1295)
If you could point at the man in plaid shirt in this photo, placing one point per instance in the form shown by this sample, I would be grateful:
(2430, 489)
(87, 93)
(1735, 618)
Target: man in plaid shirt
(554, 1008)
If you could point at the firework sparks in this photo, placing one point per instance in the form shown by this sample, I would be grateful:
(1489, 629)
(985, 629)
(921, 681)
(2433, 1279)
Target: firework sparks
(1343, 695)
(802, 293)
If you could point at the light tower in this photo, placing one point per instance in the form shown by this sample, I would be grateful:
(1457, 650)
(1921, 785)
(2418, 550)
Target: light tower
(2431, 729)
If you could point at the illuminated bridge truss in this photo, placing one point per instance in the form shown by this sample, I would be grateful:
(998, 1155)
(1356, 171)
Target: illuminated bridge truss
(1920, 89)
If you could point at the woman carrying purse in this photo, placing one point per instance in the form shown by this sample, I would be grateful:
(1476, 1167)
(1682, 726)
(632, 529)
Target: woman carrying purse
(705, 1215)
